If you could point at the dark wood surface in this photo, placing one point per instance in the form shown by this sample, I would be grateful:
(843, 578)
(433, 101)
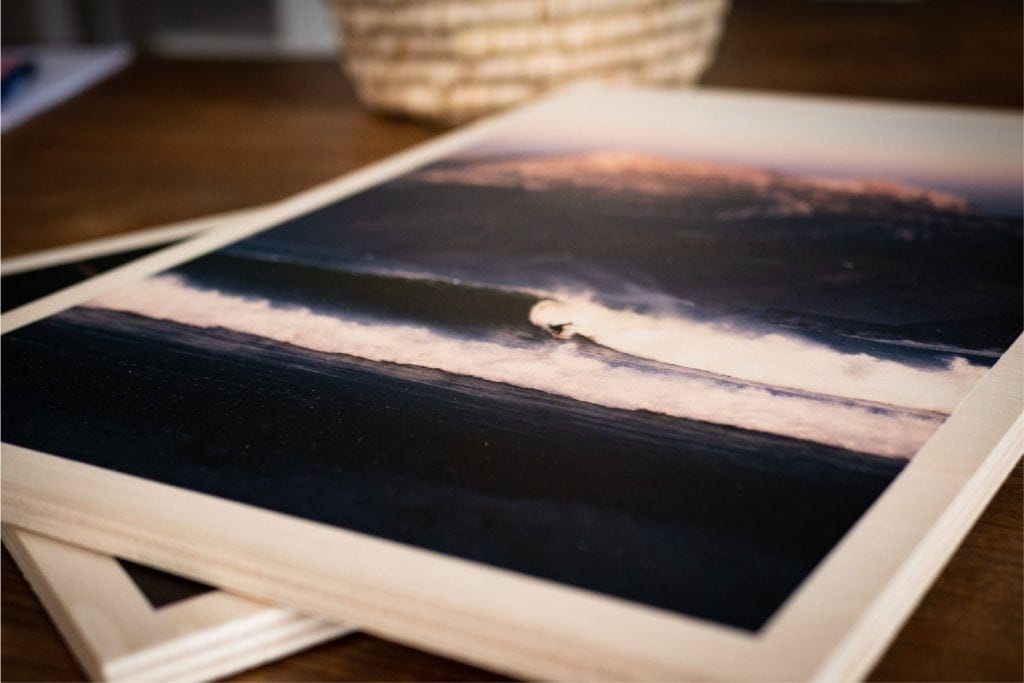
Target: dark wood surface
(167, 141)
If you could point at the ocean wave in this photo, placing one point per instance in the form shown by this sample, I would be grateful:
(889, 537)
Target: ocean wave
(550, 366)
(767, 357)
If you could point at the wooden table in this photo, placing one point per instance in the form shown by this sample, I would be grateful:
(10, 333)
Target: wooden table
(171, 140)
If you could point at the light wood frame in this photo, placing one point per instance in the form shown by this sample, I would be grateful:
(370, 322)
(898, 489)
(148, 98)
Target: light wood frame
(833, 627)
(116, 633)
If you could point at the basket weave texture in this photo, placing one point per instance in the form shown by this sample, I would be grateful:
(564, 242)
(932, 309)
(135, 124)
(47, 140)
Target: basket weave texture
(453, 60)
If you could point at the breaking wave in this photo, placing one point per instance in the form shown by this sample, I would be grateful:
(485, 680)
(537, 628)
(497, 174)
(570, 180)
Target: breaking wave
(569, 369)
(764, 357)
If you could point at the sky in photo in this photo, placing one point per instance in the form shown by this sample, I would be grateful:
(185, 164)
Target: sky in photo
(978, 154)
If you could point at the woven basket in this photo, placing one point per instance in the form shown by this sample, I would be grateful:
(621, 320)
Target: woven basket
(453, 60)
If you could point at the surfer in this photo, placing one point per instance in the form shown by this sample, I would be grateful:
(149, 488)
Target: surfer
(559, 331)
(547, 310)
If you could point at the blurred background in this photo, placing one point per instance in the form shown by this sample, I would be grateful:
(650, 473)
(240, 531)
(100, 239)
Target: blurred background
(265, 29)
(934, 50)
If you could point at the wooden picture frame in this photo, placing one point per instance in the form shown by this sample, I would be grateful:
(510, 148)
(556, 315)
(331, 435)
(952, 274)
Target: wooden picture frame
(126, 622)
(118, 632)
(831, 627)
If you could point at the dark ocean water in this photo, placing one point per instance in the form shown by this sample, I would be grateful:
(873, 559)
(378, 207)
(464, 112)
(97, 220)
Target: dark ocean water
(461, 308)
(927, 277)
(710, 521)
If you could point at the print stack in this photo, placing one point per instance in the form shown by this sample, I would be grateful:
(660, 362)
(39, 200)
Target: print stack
(126, 621)
(625, 384)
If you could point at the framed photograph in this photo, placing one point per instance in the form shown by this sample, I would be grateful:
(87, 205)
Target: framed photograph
(625, 384)
(123, 620)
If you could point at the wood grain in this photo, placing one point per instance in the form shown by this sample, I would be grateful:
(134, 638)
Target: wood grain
(167, 141)
(954, 52)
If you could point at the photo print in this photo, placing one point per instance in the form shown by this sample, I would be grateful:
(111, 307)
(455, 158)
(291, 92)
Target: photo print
(664, 362)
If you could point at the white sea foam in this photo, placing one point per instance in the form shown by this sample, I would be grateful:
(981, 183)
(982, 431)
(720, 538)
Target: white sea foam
(771, 358)
(556, 368)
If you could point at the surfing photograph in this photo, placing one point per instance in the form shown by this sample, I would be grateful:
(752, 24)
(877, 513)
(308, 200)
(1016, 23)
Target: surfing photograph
(670, 368)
